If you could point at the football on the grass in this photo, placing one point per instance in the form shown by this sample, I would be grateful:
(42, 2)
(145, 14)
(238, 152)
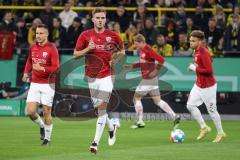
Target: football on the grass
(177, 136)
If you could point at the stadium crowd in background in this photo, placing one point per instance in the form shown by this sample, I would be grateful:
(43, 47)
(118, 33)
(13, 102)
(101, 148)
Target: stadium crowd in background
(169, 38)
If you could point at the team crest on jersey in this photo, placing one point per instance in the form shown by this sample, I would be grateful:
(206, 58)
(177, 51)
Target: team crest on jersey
(45, 54)
(108, 39)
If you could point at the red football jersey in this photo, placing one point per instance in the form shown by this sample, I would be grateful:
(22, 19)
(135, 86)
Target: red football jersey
(147, 58)
(47, 57)
(97, 60)
(203, 61)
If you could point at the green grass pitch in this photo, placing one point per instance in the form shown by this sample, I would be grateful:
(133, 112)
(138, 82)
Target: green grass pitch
(19, 140)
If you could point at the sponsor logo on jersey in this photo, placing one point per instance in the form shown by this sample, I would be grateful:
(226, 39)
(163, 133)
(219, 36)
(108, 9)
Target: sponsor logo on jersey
(100, 47)
(39, 60)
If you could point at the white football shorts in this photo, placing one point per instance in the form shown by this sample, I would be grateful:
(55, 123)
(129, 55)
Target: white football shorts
(41, 93)
(100, 89)
(202, 95)
(148, 86)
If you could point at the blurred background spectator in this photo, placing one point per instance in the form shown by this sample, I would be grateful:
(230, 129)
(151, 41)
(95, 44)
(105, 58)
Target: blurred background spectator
(67, 15)
(232, 36)
(162, 47)
(182, 48)
(168, 33)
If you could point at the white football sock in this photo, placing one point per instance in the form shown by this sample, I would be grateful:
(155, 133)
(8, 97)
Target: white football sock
(39, 122)
(166, 108)
(101, 121)
(195, 112)
(48, 131)
(216, 118)
(139, 110)
(109, 124)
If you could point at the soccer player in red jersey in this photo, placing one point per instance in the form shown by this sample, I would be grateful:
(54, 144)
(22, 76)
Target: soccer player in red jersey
(95, 44)
(205, 87)
(149, 82)
(43, 60)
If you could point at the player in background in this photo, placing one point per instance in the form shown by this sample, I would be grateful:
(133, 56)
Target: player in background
(43, 60)
(205, 87)
(149, 82)
(94, 44)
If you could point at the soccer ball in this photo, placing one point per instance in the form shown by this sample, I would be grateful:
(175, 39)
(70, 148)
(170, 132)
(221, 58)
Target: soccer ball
(177, 136)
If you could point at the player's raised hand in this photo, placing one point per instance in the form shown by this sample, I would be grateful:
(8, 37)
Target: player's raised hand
(25, 78)
(192, 67)
(91, 44)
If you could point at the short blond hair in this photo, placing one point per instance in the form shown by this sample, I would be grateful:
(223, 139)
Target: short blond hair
(139, 38)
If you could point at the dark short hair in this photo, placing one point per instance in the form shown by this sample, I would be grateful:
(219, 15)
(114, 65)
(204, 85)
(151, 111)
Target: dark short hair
(42, 26)
(98, 10)
(198, 34)
(77, 19)
(212, 19)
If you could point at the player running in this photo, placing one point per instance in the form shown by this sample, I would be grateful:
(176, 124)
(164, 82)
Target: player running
(149, 82)
(205, 87)
(95, 44)
(43, 60)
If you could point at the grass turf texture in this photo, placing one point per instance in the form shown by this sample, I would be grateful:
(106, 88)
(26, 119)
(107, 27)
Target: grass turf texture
(19, 140)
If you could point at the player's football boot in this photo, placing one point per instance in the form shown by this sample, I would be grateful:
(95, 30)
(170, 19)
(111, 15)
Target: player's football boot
(112, 136)
(93, 148)
(203, 132)
(139, 124)
(46, 142)
(219, 137)
(42, 133)
(176, 121)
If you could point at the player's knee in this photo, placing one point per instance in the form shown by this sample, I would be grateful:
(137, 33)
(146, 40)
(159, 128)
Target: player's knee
(102, 105)
(46, 111)
(136, 98)
(157, 101)
(31, 111)
(138, 106)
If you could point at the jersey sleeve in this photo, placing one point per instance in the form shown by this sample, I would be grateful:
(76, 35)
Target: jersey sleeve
(136, 65)
(81, 42)
(118, 41)
(206, 64)
(54, 61)
(28, 65)
(154, 55)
